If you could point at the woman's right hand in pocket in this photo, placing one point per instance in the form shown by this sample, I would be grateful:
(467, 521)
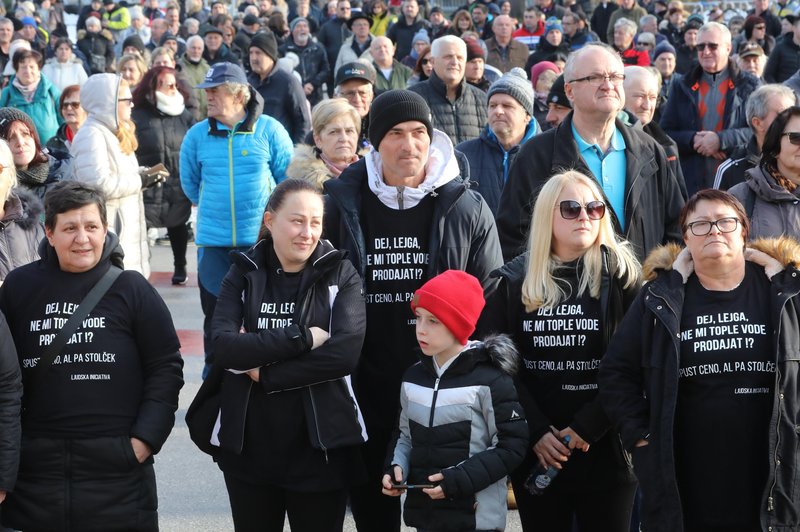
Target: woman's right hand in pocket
(320, 336)
(550, 451)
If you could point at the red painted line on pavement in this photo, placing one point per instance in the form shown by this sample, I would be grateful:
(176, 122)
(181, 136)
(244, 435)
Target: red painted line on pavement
(164, 280)
(191, 342)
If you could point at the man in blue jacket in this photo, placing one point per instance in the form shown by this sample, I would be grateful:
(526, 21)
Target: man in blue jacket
(230, 163)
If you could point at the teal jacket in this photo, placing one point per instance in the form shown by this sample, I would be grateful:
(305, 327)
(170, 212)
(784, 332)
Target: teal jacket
(229, 174)
(43, 109)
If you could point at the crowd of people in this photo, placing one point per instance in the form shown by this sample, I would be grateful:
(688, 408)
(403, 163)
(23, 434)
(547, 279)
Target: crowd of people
(437, 251)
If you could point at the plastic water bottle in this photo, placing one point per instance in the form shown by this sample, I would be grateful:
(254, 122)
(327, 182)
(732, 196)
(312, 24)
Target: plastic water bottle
(540, 478)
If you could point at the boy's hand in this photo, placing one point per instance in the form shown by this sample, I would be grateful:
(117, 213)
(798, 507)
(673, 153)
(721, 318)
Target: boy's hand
(387, 482)
(437, 492)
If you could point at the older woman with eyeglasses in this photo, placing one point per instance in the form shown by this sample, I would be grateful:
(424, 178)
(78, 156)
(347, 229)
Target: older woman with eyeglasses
(561, 301)
(755, 30)
(74, 116)
(701, 376)
(771, 191)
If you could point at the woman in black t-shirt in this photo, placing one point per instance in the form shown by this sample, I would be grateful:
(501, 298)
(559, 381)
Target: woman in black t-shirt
(701, 377)
(561, 301)
(287, 333)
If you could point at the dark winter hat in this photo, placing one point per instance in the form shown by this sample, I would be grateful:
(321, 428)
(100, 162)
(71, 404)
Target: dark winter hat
(514, 83)
(355, 70)
(356, 16)
(557, 94)
(474, 50)
(168, 36)
(694, 22)
(265, 41)
(394, 107)
(108, 2)
(250, 19)
(294, 22)
(552, 24)
(135, 41)
(209, 28)
(9, 115)
(664, 48)
(223, 73)
(455, 298)
(436, 9)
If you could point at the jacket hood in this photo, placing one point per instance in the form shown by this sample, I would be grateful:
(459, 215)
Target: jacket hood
(112, 251)
(253, 109)
(442, 167)
(23, 207)
(766, 188)
(498, 350)
(99, 97)
(773, 254)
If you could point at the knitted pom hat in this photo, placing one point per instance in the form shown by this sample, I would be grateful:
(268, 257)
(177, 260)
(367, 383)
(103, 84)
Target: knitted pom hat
(394, 107)
(514, 83)
(455, 298)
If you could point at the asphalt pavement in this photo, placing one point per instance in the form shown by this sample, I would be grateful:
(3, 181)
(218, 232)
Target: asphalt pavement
(192, 495)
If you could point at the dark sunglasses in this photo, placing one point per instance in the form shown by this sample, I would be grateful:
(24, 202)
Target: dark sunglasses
(794, 137)
(571, 209)
(71, 105)
(760, 27)
(426, 61)
(712, 46)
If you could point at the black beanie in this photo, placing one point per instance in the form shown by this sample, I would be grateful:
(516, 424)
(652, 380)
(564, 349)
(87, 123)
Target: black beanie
(392, 108)
(265, 41)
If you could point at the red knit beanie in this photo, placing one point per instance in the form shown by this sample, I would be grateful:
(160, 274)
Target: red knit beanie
(455, 298)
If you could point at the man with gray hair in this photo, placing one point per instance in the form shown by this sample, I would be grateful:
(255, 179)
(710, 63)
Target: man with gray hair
(705, 113)
(236, 157)
(762, 107)
(194, 67)
(6, 36)
(458, 108)
(643, 195)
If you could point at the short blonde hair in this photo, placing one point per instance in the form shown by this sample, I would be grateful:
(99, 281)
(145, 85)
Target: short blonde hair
(541, 288)
(327, 110)
(9, 169)
(158, 52)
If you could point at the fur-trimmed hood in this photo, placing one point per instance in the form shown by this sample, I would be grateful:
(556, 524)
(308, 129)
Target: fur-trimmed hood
(24, 208)
(502, 352)
(308, 166)
(773, 254)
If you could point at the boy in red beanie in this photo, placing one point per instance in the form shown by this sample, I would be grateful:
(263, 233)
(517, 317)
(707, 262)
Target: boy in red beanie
(461, 429)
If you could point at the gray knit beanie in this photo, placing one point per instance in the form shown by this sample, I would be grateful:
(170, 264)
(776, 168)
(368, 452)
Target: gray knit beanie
(9, 115)
(514, 83)
(394, 107)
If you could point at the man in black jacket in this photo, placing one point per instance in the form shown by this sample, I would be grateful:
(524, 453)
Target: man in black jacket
(332, 34)
(402, 32)
(313, 66)
(644, 200)
(459, 109)
(784, 60)
(284, 99)
(403, 217)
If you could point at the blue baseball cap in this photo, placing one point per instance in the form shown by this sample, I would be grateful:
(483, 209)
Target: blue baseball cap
(223, 73)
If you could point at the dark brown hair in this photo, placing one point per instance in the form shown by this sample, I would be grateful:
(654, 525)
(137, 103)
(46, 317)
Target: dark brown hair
(69, 195)
(69, 90)
(23, 54)
(145, 92)
(719, 196)
(278, 197)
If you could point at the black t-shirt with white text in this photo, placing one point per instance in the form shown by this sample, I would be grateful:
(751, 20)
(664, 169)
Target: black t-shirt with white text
(725, 395)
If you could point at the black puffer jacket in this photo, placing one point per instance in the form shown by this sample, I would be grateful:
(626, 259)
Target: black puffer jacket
(783, 62)
(160, 137)
(653, 195)
(99, 50)
(461, 120)
(20, 231)
(285, 101)
(10, 408)
(313, 67)
(639, 386)
(318, 375)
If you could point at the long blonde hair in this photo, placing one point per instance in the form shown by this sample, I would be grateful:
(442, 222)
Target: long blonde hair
(126, 133)
(541, 288)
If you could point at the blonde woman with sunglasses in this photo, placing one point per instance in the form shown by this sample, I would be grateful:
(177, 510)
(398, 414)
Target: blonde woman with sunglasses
(561, 301)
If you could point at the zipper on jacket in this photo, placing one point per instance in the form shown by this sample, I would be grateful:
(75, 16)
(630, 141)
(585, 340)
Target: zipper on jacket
(230, 184)
(316, 423)
(433, 401)
(400, 197)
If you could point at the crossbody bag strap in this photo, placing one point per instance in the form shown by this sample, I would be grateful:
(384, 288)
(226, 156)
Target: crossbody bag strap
(86, 306)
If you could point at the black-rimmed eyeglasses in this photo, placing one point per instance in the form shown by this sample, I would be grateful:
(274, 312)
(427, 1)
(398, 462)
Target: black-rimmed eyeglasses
(724, 225)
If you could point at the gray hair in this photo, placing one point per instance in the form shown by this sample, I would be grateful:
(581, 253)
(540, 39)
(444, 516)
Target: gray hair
(7, 160)
(93, 21)
(626, 24)
(648, 18)
(757, 105)
(437, 45)
(238, 90)
(194, 38)
(6, 20)
(723, 29)
(569, 67)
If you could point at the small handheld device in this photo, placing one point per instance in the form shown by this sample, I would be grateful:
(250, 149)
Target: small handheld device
(412, 486)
